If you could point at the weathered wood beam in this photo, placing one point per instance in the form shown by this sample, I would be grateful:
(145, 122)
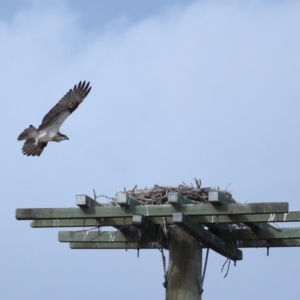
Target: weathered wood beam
(115, 245)
(85, 201)
(115, 222)
(151, 211)
(219, 197)
(268, 243)
(292, 216)
(146, 225)
(259, 226)
(102, 236)
(207, 238)
(152, 245)
(263, 234)
(175, 198)
(124, 199)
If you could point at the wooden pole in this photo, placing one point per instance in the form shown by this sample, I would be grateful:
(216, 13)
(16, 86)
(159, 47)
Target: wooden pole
(185, 265)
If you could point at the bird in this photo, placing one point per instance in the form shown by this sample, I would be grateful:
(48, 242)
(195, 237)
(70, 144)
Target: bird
(48, 131)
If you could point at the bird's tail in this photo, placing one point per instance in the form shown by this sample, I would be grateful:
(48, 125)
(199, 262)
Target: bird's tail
(29, 148)
(27, 133)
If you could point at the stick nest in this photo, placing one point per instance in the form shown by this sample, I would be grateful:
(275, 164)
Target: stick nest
(158, 195)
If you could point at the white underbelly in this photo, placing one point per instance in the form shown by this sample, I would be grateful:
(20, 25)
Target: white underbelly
(46, 136)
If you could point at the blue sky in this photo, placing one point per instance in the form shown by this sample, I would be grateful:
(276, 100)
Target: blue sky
(180, 89)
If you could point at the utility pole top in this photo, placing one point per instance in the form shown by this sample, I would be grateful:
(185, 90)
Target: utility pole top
(153, 218)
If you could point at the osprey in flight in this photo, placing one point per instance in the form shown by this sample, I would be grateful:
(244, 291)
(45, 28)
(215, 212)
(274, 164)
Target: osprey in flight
(48, 131)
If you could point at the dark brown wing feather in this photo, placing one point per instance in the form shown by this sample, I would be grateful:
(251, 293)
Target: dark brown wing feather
(28, 148)
(57, 115)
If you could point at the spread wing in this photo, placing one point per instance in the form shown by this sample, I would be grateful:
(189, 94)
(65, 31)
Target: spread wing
(58, 114)
(28, 148)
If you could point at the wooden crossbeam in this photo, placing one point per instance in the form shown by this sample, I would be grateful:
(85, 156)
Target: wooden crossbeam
(85, 201)
(263, 234)
(153, 245)
(207, 238)
(115, 222)
(102, 236)
(268, 243)
(124, 199)
(292, 216)
(219, 197)
(146, 225)
(151, 211)
(115, 245)
(175, 198)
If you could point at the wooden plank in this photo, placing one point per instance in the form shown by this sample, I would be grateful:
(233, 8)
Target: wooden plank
(263, 234)
(152, 245)
(207, 238)
(258, 226)
(151, 211)
(146, 225)
(115, 245)
(216, 197)
(85, 201)
(268, 243)
(114, 222)
(175, 198)
(124, 199)
(101, 236)
(293, 216)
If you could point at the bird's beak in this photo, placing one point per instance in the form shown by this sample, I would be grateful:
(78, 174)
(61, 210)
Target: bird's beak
(67, 138)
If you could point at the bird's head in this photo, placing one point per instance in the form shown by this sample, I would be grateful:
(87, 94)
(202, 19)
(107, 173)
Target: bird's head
(60, 137)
